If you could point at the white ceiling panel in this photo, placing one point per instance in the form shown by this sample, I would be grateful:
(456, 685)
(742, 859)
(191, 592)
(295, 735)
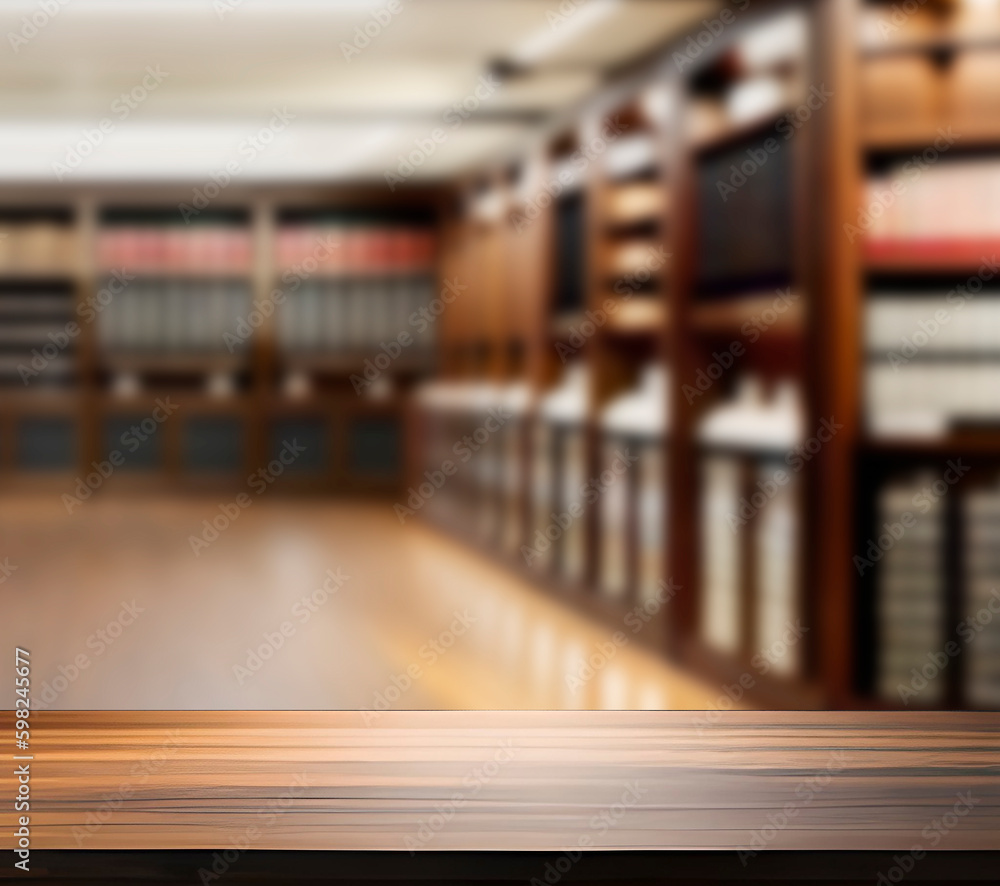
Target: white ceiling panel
(227, 63)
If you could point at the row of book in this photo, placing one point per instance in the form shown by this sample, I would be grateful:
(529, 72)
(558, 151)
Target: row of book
(477, 487)
(946, 200)
(910, 592)
(359, 314)
(733, 526)
(918, 639)
(634, 425)
(214, 315)
(981, 554)
(527, 490)
(175, 249)
(933, 360)
(37, 248)
(37, 342)
(44, 246)
(355, 249)
(153, 315)
(931, 398)
(751, 488)
(902, 326)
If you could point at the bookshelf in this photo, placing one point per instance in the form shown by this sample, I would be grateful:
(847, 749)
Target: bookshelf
(759, 311)
(927, 346)
(138, 306)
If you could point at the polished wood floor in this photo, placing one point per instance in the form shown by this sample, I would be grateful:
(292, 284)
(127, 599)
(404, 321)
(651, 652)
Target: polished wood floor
(751, 781)
(407, 586)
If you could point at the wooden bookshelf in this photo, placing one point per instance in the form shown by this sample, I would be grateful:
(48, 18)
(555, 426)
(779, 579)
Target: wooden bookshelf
(682, 319)
(939, 47)
(87, 235)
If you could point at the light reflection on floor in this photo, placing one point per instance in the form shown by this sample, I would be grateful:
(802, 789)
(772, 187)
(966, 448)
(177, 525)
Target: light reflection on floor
(368, 641)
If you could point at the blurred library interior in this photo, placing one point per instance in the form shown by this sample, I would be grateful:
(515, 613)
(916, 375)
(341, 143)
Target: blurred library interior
(521, 354)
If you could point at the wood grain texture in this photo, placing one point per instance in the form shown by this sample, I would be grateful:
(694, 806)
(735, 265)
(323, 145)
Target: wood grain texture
(511, 780)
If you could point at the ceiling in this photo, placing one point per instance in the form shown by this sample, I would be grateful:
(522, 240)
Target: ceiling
(226, 65)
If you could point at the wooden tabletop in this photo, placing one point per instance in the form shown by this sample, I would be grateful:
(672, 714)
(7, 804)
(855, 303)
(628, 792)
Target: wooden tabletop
(525, 780)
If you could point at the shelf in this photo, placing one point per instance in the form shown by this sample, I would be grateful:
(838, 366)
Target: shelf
(189, 401)
(353, 363)
(241, 275)
(985, 442)
(57, 276)
(729, 316)
(934, 45)
(634, 205)
(976, 135)
(173, 363)
(345, 275)
(638, 316)
(41, 400)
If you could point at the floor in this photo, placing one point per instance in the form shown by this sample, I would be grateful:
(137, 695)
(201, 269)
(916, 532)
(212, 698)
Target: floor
(297, 604)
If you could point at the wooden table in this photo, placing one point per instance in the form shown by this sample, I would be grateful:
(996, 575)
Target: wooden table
(499, 781)
(750, 796)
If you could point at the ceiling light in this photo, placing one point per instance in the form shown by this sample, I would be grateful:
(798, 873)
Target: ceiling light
(562, 28)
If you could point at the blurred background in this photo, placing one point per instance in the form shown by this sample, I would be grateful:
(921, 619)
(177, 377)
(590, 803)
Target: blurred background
(522, 354)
